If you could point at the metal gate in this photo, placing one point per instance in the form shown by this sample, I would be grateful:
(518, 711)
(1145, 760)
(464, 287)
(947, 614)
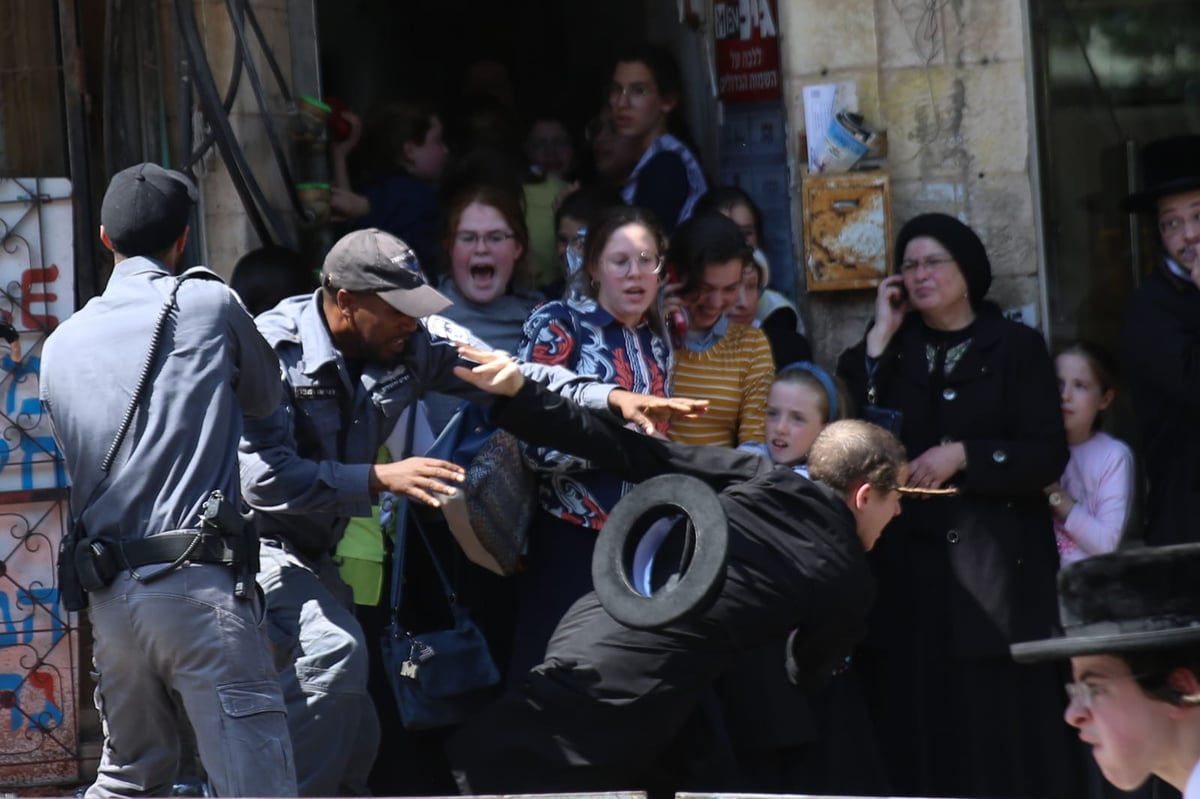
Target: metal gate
(38, 640)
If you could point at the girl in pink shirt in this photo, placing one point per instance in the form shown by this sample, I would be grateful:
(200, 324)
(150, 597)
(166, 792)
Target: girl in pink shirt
(1093, 499)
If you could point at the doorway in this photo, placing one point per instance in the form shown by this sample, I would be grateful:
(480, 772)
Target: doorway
(1112, 75)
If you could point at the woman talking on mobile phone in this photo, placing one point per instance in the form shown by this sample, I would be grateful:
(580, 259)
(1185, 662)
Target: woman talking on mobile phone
(973, 398)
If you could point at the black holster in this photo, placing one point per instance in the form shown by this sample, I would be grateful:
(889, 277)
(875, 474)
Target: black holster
(220, 515)
(70, 591)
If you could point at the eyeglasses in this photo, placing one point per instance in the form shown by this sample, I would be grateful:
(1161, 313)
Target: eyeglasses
(932, 263)
(1174, 225)
(493, 238)
(1084, 693)
(634, 92)
(622, 265)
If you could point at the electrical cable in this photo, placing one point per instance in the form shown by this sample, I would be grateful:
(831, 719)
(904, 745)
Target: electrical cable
(260, 95)
(268, 53)
(235, 79)
(248, 190)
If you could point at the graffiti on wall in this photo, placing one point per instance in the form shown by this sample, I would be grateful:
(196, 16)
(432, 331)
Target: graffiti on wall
(38, 639)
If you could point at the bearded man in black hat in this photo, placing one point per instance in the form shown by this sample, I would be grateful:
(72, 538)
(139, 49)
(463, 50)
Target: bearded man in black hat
(1131, 628)
(1160, 343)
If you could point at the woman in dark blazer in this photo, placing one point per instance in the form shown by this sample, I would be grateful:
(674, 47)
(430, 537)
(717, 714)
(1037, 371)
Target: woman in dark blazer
(961, 576)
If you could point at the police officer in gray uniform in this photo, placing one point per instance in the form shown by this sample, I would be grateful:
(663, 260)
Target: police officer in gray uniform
(354, 356)
(176, 620)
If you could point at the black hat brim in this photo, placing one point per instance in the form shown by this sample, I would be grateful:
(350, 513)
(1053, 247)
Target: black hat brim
(689, 593)
(1080, 645)
(1147, 199)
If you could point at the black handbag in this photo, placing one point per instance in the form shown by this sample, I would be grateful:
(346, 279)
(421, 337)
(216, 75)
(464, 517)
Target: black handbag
(492, 512)
(439, 677)
(889, 419)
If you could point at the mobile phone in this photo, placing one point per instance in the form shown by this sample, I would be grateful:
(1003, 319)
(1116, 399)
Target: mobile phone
(900, 297)
(677, 320)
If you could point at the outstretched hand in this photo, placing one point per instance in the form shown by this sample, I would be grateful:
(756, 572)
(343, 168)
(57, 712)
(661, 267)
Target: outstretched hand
(496, 373)
(647, 410)
(427, 480)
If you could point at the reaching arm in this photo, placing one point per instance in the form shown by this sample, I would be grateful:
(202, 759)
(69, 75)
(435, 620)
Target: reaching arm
(536, 416)
(276, 478)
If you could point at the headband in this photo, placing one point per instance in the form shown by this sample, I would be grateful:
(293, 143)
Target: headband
(824, 379)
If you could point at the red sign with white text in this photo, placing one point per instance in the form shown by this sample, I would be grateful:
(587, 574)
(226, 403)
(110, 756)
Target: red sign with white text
(747, 36)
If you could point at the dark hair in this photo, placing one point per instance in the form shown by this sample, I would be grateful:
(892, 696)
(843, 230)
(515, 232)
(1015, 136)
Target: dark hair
(1153, 667)
(668, 80)
(389, 126)
(705, 239)
(724, 199)
(264, 277)
(601, 228)
(586, 203)
(610, 220)
(1102, 363)
(510, 206)
(851, 452)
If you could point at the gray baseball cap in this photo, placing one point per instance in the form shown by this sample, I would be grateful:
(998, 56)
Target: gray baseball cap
(375, 261)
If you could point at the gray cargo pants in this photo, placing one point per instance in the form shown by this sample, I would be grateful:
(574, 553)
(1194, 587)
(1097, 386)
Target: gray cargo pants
(321, 655)
(186, 641)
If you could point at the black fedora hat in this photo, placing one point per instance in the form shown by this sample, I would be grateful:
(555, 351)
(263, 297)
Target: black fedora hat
(1136, 600)
(1169, 166)
(680, 517)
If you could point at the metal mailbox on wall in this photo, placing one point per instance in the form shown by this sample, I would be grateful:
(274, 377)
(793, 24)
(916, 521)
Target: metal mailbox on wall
(847, 229)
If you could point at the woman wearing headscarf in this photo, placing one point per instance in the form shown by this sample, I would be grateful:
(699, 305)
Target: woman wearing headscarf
(964, 573)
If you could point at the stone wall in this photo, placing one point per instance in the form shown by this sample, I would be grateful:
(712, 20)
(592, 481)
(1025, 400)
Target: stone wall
(227, 232)
(947, 80)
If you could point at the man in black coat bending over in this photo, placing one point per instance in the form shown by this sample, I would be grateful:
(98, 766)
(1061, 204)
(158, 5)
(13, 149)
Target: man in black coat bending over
(602, 710)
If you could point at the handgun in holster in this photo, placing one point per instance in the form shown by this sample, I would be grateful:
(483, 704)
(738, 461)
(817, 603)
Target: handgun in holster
(222, 516)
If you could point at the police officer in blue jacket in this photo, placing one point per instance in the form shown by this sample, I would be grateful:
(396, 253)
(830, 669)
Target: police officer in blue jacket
(354, 355)
(162, 556)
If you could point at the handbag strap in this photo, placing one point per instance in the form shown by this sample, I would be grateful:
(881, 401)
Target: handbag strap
(401, 516)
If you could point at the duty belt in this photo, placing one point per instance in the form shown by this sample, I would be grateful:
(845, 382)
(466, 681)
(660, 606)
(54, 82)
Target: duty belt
(193, 545)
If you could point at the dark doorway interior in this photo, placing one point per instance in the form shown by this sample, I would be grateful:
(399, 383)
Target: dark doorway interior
(557, 52)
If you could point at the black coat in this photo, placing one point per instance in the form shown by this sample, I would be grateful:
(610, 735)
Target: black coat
(605, 706)
(990, 550)
(1160, 352)
(962, 577)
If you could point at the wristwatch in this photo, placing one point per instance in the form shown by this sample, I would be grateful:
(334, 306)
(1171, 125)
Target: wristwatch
(1055, 498)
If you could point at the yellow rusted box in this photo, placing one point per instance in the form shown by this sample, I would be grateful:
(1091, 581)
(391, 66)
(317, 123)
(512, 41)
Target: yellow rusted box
(847, 229)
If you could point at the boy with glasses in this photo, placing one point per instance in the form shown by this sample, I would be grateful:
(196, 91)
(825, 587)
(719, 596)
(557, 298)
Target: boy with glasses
(1131, 628)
